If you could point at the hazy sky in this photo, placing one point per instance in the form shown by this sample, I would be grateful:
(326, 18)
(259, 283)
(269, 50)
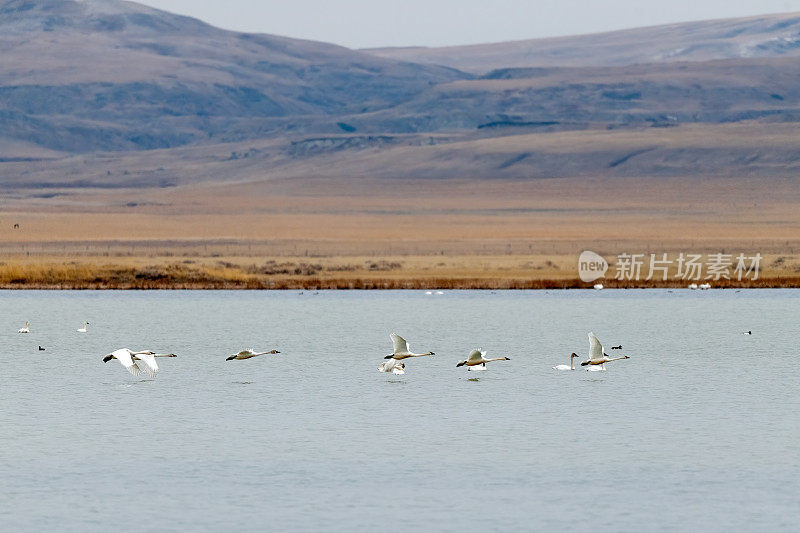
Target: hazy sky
(366, 23)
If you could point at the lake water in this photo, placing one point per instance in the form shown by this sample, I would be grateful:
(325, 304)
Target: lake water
(699, 429)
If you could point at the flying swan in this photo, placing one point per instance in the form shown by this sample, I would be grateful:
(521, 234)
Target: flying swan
(597, 358)
(128, 358)
(402, 350)
(247, 354)
(477, 360)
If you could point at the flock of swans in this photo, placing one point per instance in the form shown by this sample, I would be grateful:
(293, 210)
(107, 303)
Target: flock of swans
(137, 362)
(477, 360)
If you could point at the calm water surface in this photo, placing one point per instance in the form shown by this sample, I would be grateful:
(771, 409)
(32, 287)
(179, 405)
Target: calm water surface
(699, 429)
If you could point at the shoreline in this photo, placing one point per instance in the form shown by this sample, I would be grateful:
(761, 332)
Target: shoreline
(395, 284)
(507, 272)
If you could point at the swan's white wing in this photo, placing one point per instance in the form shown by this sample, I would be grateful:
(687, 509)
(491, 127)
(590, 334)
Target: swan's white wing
(400, 344)
(391, 365)
(125, 359)
(595, 348)
(150, 365)
(475, 355)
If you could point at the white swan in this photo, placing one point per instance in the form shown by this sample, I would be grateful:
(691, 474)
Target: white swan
(83, 329)
(26, 329)
(597, 357)
(392, 365)
(598, 287)
(693, 286)
(402, 350)
(128, 358)
(704, 286)
(570, 366)
(477, 358)
(247, 354)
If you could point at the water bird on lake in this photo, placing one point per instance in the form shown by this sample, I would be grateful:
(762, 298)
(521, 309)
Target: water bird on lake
(41, 349)
(693, 286)
(597, 357)
(26, 329)
(570, 366)
(247, 354)
(747, 333)
(129, 358)
(477, 360)
(704, 286)
(402, 350)
(598, 287)
(392, 365)
(616, 347)
(83, 329)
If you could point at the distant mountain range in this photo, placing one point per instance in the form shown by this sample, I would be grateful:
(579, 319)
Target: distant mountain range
(751, 37)
(81, 77)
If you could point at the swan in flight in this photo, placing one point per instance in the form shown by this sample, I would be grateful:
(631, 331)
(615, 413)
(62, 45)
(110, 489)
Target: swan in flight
(477, 358)
(128, 359)
(570, 366)
(26, 329)
(392, 365)
(402, 350)
(247, 354)
(83, 329)
(597, 357)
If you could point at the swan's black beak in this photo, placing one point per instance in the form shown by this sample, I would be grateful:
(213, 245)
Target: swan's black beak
(508, 359)
(584, 363)
(462, 363)
(388, 357)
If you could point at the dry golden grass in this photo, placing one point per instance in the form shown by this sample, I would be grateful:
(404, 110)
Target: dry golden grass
(401, 272)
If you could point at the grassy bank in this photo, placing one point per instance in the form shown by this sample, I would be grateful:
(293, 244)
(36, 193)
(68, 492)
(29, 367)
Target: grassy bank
(339, 273)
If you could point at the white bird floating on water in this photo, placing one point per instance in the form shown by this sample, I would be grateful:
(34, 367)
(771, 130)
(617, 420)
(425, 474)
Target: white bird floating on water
(598, 287)
(247, 354)
(693, 286)
(477, 360)
(402, 350)
(704, 286)
(26, 329)
(570, 366)
(597, 357)
(83, 329)
(128, 358)
(392, 365)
